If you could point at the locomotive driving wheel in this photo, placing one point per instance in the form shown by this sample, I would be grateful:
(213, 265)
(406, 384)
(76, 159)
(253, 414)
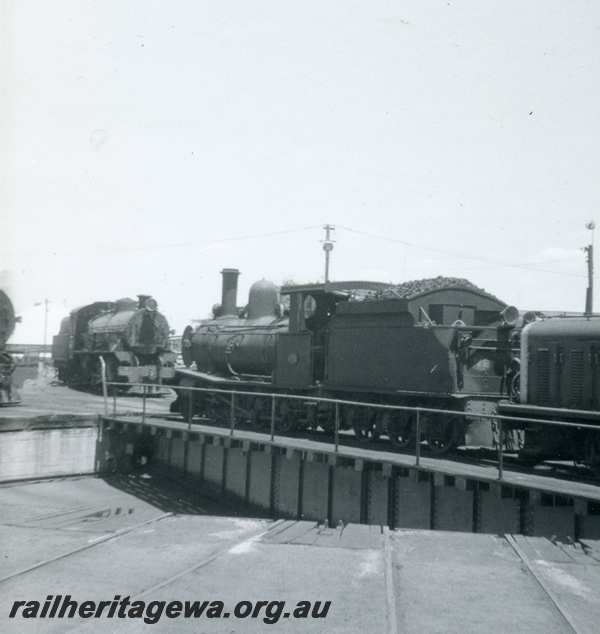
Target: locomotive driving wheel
(360, 426)
(255, 412)
(400, 428)
(260, 416)
(441, 433)
(325, 417)
(284, 417)
(362, 422)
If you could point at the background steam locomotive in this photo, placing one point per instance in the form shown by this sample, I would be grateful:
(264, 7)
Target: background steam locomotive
(132, 338)
(440, 343)
(8, 395)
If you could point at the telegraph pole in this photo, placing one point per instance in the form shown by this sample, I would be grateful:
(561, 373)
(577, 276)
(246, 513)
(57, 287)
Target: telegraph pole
(328, 248)
(589, 251)
(45, 303)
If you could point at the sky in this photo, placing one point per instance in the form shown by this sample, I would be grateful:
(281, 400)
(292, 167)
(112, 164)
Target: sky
(146, 145)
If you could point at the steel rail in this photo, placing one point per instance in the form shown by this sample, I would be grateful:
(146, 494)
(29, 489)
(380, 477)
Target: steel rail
(87, 546)
(254, 535)
(390, 587)
(564, 612)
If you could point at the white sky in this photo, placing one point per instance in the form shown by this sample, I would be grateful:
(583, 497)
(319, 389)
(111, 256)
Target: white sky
(136, 135)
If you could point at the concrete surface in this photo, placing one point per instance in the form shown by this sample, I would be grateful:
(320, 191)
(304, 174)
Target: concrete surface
(137, 536)
(47, 452)
(54, 430)
(42, 398)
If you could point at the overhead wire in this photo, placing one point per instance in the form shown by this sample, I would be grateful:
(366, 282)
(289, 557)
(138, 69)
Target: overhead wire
(454, 254)
(207, 244)
(210, 243)
(175, 245)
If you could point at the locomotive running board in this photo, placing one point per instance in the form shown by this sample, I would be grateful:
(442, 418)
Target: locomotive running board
(217, 380)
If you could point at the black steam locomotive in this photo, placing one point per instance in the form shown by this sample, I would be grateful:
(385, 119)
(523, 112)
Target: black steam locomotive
(132, 338)
(8, 395)
(441, 343)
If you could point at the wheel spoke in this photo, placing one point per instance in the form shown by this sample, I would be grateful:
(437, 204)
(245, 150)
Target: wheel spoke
(361, 423)
(360, 432)
(401, 429)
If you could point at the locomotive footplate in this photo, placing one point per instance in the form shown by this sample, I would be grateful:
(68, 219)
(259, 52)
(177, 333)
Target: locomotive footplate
(220, 381)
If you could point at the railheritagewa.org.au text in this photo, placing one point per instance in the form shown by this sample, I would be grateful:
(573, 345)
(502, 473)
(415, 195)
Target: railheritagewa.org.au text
(58, 606)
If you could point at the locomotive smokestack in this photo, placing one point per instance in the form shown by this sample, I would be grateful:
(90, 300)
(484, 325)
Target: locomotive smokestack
(229, 292)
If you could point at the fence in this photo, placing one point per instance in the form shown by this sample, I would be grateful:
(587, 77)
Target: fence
(499, 419)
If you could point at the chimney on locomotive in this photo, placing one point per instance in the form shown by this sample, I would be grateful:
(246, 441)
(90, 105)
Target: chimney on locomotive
(147, 302)
(229, 291)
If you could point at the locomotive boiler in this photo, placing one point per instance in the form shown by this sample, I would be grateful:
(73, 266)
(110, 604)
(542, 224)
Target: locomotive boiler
(440, 343)
(238, 345)
(131, 337)
(8, 395)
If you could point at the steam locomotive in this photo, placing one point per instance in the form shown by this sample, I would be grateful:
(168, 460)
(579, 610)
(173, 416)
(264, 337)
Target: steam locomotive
(132, 338)
(8, 395)
(442, 343)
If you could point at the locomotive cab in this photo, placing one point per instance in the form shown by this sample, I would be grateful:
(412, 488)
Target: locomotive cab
(302, 352)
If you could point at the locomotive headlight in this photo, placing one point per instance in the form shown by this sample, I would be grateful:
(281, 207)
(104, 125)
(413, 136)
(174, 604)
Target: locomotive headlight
(510, 315)
(150, 304)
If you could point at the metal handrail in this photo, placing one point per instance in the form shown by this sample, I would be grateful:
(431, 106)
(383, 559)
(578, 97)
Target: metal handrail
(407, 408)
(498, 418)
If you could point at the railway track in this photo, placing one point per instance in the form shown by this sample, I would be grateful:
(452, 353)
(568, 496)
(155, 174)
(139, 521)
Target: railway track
(555, 599)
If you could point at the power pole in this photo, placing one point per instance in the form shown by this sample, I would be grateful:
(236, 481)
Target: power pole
(589, 251)
(328, 248)
(45, 303)
(589, 293)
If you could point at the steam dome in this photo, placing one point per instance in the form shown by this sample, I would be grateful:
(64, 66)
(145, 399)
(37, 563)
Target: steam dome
(262, 299)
